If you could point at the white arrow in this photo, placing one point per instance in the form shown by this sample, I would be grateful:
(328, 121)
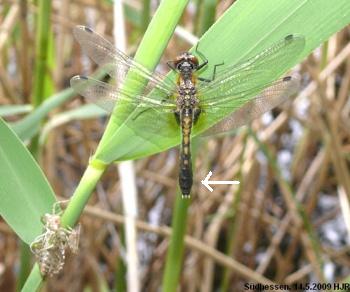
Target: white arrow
(206, 182)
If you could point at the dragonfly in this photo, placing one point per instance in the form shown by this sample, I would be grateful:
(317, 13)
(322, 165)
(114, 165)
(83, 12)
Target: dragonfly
(231, 98)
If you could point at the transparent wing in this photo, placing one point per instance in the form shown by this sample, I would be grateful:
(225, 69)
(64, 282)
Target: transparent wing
(117, 64)
(270, 97)
(105, 95)
(254, 73)
(151, 118)
(240, 86)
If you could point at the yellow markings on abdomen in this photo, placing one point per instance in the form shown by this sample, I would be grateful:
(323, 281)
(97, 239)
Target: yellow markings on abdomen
(185, 149)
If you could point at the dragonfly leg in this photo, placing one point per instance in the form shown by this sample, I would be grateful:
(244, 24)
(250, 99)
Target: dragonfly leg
(166, 99)
(203, 57)
(140, 113)
(177, 116)
(196, 114)
(202, 65)
(171, 65)
(214, 73)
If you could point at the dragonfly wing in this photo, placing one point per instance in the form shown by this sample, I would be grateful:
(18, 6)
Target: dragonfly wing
(153, 115)
(116, 63)
(237, 85)
(105, 95)
(157, 91)
(275, 94)
(255, 73)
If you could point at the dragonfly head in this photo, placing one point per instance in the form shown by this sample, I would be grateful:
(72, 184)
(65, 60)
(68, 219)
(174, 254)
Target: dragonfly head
(186, 63)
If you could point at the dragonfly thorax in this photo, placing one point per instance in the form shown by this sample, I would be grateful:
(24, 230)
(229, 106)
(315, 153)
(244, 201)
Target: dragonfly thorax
(186, 86)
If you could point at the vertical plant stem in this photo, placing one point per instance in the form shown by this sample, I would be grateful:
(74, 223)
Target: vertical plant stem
(232, 230)
(82, 194)
(41, 61)
(33, 281)
(9, 17)
(120, 271)
(41, 52)
(25, 60)
(197, 16)
(175, 252)
(24, 265)
(205, 15)
(127, 176)
(146, 17)
(176, 247)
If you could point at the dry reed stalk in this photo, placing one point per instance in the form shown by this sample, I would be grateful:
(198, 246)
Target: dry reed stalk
(270, 241)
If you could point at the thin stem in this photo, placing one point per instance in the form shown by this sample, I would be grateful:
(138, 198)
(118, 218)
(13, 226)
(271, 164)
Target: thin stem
(171, 276)
(82, 194)
(41, 54)
(175, 252)
(127, 177)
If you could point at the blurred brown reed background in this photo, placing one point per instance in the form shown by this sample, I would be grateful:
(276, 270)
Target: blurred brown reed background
(301, 158)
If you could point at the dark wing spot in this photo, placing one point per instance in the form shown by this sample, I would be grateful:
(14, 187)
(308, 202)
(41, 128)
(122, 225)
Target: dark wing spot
(87, 29)
(287, 78)
(289, 37)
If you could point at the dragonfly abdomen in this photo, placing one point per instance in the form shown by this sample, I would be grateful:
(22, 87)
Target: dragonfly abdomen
(185, 175)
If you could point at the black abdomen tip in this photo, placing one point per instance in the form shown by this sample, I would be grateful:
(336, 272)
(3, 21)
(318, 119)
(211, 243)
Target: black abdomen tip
(185, 182)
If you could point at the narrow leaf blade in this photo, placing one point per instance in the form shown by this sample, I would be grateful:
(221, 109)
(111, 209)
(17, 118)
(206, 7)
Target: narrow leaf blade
(25, 194)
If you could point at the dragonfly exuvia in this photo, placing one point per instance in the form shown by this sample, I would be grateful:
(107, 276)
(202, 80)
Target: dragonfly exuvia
(50, 247)
(232, 97)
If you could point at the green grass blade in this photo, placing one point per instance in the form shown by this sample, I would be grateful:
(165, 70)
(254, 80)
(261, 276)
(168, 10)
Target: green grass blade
(244, 30)
(15, 109)
(86, 111)
(29, 126)
(25, 194)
